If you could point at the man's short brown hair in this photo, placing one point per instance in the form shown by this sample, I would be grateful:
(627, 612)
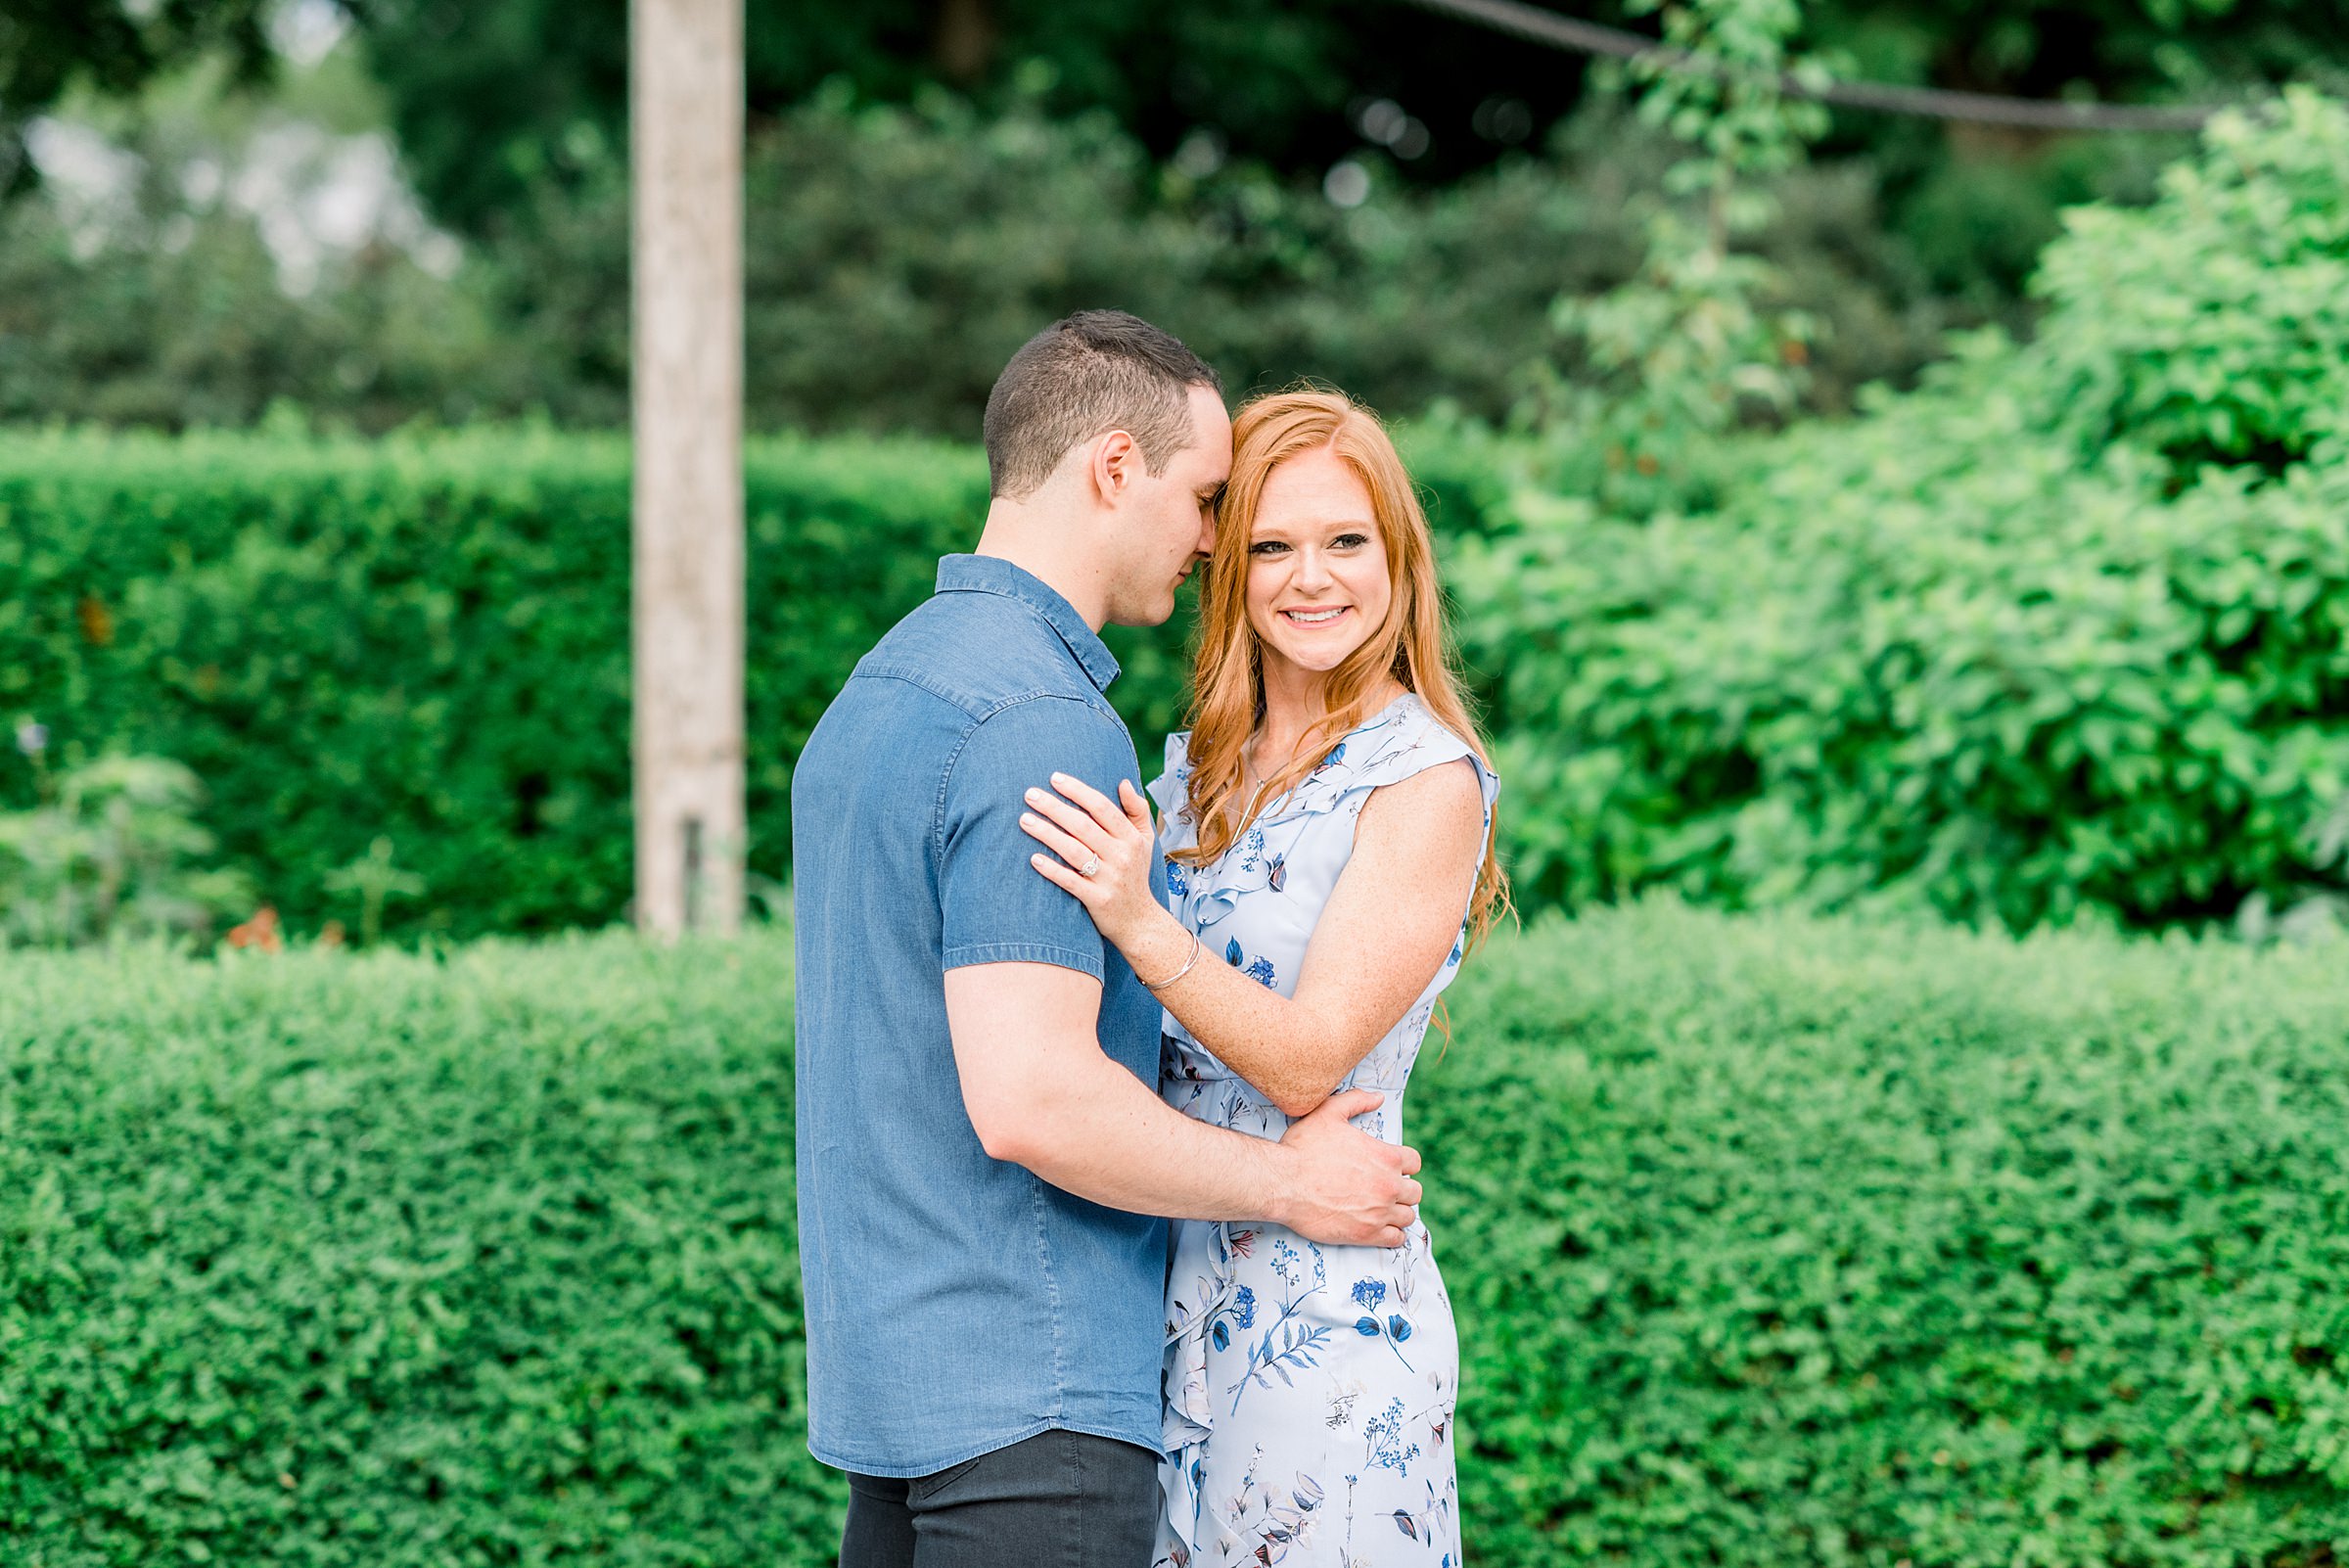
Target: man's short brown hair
(1082, 376)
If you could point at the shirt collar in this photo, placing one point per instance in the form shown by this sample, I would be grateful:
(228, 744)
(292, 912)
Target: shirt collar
(992, 573)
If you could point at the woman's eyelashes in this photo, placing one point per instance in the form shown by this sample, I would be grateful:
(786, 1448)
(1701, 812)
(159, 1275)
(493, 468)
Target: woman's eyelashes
(1344, 541)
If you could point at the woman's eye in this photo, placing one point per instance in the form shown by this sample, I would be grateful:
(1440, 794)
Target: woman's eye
(1351, 541)
(1267, 547)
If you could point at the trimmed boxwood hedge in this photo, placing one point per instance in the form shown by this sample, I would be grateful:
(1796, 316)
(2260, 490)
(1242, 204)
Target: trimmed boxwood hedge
(427, 638)
(1774, 1242)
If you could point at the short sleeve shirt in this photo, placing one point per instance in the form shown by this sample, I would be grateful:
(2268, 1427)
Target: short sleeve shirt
(955, 1304)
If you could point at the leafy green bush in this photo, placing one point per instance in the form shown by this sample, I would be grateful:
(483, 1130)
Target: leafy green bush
(1778, 1241)
(114, 853)
(2066, 630)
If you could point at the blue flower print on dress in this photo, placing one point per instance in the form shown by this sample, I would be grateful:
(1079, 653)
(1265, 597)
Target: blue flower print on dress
(1250, 848)
(1179, 879)
(1369, 1292)
(1384, 1435)
(1238, 1314)
(1430, 1522)
(1259, 970)
(1394, 1331)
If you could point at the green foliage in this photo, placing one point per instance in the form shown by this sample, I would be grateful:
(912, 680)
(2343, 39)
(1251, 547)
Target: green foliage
(2063, 632)
(425, 640)
(1782, 1243)
(1169, 161)
(894, 259)
(161, 303)
(1792, 1243)
(1276, 83)
(49, 46)
(487, 97)
(1670, 360)
(326, 1262)
(892, 297)
(1693, 342)
(375, 881)
(1721, 86)
(2059, 636)
(115, 850)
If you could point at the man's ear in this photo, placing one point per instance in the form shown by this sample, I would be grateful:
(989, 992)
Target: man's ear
(1117, 461)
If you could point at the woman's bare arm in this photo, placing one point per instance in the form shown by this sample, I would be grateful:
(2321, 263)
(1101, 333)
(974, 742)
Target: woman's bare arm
(1387, 929)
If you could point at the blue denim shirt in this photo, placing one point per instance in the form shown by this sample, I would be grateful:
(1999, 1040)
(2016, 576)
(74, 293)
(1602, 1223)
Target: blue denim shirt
(955, 1303)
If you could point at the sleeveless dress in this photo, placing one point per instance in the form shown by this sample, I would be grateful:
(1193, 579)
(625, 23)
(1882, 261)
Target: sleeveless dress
(1310, 1389)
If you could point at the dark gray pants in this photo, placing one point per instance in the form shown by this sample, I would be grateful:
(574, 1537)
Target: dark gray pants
(1058, 1499)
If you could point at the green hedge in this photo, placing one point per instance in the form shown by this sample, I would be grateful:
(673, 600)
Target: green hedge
(427, 638)
(1774, 1242)
(401, 1261)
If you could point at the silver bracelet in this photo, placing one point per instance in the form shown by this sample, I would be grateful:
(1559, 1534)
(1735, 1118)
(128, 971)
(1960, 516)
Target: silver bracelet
(1197, 947)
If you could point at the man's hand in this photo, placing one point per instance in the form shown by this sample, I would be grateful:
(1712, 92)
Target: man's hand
(1346, 1187)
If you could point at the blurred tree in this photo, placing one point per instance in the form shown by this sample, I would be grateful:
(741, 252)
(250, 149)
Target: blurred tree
(894, 256)
(224, 261)
(1698, 337)
(489, 97)
(115, 46)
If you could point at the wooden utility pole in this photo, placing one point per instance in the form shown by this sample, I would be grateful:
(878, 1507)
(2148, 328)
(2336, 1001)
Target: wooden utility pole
(685, 166)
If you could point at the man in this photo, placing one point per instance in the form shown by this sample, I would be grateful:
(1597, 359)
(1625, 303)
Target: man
(981, 1143)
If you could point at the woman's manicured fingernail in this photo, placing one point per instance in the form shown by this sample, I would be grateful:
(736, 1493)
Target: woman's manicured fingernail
(1035, 795)
(1027, 819)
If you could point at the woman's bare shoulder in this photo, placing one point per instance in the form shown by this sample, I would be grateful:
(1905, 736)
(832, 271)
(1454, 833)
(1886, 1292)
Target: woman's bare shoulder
(1444, 794)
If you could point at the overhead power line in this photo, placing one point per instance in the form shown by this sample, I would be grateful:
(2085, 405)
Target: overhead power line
(1538, 25)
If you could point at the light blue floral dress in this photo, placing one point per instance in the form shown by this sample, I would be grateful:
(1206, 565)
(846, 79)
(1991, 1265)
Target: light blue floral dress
(1309, 1390)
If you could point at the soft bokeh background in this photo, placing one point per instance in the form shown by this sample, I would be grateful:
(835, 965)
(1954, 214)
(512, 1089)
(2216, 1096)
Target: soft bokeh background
(1903, 567)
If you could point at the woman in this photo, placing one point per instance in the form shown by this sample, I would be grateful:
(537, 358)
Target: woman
(1326, 826)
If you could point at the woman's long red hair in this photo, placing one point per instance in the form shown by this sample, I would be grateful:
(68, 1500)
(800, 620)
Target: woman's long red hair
(1227, 689)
